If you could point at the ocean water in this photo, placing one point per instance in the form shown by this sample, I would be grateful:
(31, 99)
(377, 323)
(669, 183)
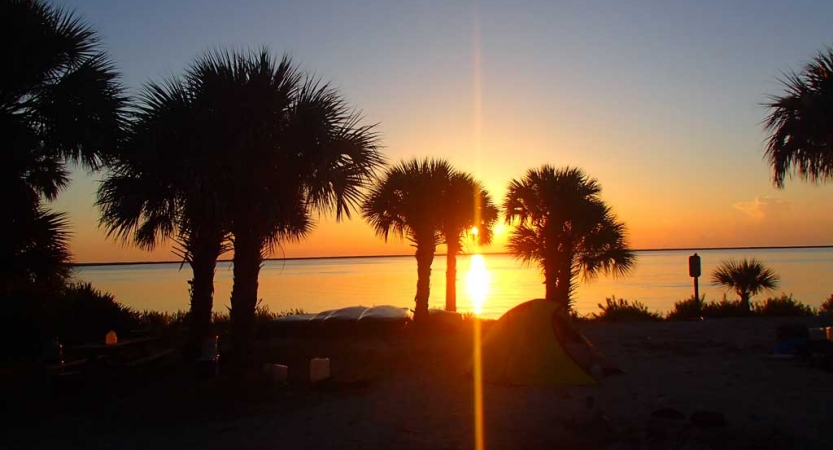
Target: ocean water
(659, 279)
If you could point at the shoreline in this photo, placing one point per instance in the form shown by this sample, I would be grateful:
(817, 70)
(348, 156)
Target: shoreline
(304, 258)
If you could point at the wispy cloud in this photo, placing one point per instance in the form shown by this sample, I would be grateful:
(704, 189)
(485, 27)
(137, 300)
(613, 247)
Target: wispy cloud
(763, 207)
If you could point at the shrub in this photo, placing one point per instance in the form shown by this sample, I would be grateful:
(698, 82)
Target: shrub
(83, 313)
(688, 309)
(827, 306)
(725, 308)
(622, 310)
(782, 306)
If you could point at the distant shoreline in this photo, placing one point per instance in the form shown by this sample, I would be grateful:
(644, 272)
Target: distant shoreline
(695, 249)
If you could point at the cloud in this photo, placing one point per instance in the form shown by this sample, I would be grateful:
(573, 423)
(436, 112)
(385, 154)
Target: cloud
(763, 207)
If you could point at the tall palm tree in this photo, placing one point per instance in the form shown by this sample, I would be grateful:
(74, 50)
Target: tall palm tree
(160, 186)
(405, 202)
(801, 124)
(746, 277)
(60, 103)
(466, 206)
(563, 224)
(292, 147)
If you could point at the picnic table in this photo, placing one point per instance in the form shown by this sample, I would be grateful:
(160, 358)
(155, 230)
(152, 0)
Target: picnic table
(126, 352)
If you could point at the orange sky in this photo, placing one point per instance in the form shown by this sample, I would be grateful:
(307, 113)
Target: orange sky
(661, 105)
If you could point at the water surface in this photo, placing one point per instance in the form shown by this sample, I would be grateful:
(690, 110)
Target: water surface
(659, 279)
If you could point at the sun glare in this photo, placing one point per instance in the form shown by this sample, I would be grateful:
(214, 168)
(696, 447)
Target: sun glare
(478, 280)
(474, 231)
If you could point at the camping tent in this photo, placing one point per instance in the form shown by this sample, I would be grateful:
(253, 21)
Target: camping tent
(531, 344)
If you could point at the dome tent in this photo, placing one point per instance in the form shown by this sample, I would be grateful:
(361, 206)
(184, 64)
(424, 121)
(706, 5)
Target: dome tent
(532, 344)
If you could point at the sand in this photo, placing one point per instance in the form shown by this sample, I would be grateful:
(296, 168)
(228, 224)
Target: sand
(415, 393)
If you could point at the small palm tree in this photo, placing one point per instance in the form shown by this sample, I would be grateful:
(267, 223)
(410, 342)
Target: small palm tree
(466, 207)
(405, 202)
(563, 224)
(746, 277)
(801, 124)
(60, 103)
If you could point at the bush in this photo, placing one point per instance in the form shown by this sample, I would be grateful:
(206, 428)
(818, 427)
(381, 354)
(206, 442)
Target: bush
(782, 306)
(724, 308)
(827, 306)
(622, 310)
(688, 309)
(85, 314)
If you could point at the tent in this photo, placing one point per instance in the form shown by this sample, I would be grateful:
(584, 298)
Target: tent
(531, 344)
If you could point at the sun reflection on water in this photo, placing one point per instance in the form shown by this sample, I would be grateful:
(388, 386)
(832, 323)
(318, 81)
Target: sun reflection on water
(478, 280)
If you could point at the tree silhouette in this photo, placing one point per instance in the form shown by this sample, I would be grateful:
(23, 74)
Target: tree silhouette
(292, 146)
(746, 277)
(160, 186)
(60, 103)
(405, 202)
(465, 206)
(563, 224)
(801, 124)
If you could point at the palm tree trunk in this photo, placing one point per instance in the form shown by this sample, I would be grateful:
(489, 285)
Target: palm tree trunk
(550, 282)
(247, 259)
(744, 301)
(451, 276)
(425, 257)
(563, 280)
(203, 265)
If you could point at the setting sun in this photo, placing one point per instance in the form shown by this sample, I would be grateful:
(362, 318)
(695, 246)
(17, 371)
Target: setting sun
(478, 280)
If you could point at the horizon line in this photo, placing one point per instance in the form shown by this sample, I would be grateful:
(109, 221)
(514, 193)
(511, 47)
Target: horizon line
(297, 258)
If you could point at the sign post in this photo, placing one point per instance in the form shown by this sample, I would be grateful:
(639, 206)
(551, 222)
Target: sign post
(694, 272)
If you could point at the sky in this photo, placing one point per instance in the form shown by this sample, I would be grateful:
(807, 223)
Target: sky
(661, 102)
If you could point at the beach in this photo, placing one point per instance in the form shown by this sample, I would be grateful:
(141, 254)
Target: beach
(403, 392)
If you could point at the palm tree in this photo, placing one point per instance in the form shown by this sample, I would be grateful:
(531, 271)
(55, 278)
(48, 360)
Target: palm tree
(60, 103)
(747, 278)
(801, 124)
(466, 207)
(563, 224)
(145, 202)
(291, 147)
(405, 202)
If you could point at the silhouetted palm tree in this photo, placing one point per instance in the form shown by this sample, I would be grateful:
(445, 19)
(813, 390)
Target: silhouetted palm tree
(60, 103)
(563, 224)
(746, 277)
(292, 147)
(406, 202)
(161, 186)
(466, 205)
(801, 123)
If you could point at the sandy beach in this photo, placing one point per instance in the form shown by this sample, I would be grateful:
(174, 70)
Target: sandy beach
(406, 393)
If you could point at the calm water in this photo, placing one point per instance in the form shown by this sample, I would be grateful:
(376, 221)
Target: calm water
(660, 279)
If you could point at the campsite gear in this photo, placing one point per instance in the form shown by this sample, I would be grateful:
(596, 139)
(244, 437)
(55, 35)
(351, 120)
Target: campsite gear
(319, 369)
(208, 364)
(110, 338)
(534, 344)
(277, 372)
